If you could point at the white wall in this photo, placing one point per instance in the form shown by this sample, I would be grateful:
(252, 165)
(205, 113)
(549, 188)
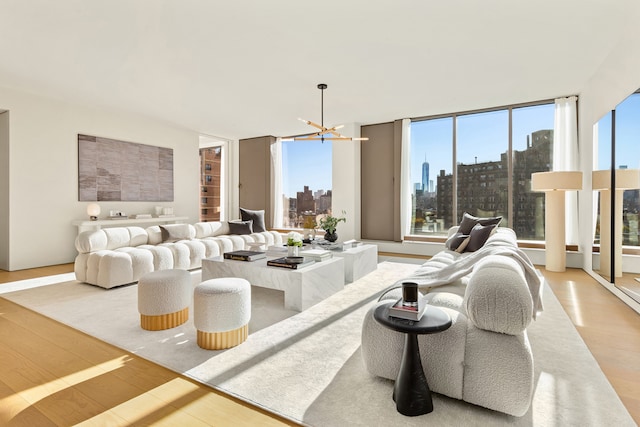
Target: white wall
(346, 183)
(617, 78)
(43, 192)
(4, 190)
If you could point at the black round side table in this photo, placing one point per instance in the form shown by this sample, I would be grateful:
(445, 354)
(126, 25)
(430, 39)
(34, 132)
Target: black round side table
(411, 391)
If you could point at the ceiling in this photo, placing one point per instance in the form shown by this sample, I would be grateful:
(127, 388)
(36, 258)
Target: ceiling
(238, 69)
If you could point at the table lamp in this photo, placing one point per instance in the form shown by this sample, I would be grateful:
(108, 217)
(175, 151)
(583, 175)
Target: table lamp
(555, 184)
(93, 210)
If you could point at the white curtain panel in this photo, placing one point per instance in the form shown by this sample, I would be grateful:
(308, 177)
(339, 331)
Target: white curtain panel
(596, 194)
(566, 157)
(405, 179)
(276, 184)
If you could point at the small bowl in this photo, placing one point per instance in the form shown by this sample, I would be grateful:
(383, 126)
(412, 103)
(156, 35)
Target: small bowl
(294, 259)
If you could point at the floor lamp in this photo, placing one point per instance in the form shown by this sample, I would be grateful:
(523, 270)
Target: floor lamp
(626, 179)
(555, 185)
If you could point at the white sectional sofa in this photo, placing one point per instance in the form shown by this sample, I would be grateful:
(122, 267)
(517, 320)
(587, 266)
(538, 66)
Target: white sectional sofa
(120, 255)
(485, 357)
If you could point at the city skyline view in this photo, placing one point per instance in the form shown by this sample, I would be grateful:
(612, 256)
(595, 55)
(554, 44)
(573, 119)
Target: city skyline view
(481, 137)
(306, 163)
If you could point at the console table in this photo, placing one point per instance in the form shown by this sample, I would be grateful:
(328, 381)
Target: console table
(84, 225)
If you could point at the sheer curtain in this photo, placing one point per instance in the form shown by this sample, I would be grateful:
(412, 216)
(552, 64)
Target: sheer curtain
(405, 180)
(276, 184)
(565, 157)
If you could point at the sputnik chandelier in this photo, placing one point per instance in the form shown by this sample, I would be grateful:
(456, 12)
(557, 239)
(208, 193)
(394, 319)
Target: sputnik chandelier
(323, 133)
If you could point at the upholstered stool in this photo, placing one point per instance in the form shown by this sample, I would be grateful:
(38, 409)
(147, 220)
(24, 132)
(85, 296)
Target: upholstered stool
(163, 299)
(222, 309)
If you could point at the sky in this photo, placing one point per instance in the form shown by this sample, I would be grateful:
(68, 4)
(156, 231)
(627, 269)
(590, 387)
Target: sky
(306, 163)
(481, 137)
(627, 135)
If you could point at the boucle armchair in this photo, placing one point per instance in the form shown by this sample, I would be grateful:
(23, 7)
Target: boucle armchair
(485, 357)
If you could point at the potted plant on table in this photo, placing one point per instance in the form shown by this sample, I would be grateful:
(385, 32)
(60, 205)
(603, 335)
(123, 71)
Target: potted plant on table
(329, 224)
(294, 243)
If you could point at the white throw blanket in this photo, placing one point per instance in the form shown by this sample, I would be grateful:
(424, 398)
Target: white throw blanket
(464, 266)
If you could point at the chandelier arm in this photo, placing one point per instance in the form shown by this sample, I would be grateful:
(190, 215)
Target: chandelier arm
(333, 134)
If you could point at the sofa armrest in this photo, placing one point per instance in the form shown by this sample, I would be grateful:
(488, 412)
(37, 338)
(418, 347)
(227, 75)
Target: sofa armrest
(497, 297)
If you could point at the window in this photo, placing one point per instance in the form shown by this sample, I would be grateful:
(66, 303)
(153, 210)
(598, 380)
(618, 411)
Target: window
(481, 138)
(210, 183)
(431, 165)
(306, 181)
(496, 151)
(532, 145)
(627, 156)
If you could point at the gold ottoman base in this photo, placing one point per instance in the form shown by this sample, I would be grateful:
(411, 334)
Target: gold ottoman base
(164, 321)
(222, 340)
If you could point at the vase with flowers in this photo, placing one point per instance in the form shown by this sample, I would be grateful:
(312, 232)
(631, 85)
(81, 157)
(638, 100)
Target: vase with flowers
(329, 224)
(294, 243)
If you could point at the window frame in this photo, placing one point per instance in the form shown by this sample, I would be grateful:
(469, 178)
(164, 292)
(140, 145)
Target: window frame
(510, 166)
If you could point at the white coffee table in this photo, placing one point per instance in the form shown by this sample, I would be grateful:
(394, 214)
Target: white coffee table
(358, 261)
(302, 288)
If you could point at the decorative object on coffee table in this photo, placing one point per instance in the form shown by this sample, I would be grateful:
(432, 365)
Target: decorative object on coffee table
(411, 391)
(294, 243)
(329, 224)
(244, 255)
(309, 226)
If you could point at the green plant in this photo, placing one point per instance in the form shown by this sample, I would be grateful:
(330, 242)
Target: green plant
(294, 239)
(329, 223)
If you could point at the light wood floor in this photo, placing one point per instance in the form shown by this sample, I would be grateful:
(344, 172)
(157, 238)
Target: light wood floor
(51, 374)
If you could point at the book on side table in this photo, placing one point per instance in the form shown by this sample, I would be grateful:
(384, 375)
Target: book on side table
(244, 255)
(408, 312)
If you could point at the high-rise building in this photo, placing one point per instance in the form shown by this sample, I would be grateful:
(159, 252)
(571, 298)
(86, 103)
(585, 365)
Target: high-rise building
(210, 161)
(425, 175)
(482, 187)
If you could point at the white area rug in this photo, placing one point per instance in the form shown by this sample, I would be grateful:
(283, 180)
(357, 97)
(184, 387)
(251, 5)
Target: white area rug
(307, 366)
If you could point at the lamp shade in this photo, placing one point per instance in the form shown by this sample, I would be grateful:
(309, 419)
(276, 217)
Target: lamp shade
(93, 210)
(626, 179)
(556, 180)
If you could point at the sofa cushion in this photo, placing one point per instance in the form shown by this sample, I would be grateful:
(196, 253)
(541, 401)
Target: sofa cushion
(175, 232)
(110, 238)
(211, 229)
(256, 216)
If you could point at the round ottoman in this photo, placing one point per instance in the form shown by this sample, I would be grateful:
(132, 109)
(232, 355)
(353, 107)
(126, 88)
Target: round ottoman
(222, 309)
(163, 299)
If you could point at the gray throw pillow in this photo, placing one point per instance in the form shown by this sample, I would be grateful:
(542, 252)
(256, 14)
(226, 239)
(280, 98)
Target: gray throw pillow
(454, 242)
(478, 236)
(256, 216)
(469, 221)
(240, 227)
